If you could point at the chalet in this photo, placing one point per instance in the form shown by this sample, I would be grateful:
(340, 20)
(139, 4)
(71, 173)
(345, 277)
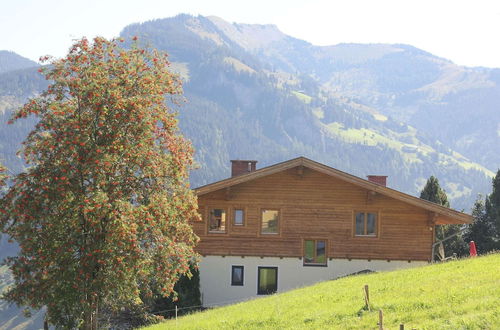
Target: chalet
(299, 222)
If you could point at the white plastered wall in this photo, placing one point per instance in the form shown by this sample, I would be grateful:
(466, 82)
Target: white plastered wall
(215, 274)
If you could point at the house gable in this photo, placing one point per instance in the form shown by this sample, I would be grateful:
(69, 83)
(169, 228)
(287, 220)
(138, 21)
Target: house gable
(439, 214)
(316, 206)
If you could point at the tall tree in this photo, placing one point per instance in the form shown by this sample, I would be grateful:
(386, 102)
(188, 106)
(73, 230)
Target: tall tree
(101, 215)
(434, 193)
(493, 206)
(482, 228)
(485, 230)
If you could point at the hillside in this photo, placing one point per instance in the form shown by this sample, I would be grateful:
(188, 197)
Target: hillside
(255, 93)
(11, 61)
(455, 295)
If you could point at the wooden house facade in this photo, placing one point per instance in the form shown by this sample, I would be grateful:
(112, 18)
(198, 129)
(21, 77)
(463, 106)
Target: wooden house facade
(299, 222)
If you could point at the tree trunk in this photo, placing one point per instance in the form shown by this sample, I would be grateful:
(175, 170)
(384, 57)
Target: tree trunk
(87, 320)
(94, 317)
(90, 317)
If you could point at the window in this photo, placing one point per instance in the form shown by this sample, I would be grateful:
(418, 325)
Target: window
(239, 217)
(237, 275)
(217, 221)
(270, 222)
(366, 224)
(267, 282)
(315, 252)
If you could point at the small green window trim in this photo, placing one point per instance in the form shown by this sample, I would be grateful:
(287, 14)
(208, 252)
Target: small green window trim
(366, 224)
(315, 252)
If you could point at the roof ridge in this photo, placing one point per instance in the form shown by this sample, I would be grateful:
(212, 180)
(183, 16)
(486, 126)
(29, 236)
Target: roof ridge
(328, 170)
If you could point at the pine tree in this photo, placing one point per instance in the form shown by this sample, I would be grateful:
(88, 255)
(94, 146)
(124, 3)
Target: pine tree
(481, 229)
(434, 193)
(493, 207)
(101, 215)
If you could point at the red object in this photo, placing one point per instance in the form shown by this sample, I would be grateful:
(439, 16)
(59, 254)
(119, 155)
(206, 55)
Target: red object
(239, 167)
(378, 179)
(472, 249)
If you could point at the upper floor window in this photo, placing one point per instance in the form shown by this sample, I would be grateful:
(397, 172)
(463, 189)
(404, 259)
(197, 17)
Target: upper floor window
(239, 217)
(315, 252)
(270, 222)
(217, 221)
(366, 224)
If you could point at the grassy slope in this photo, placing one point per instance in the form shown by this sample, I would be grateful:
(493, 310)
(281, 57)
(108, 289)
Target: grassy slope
(456, 295)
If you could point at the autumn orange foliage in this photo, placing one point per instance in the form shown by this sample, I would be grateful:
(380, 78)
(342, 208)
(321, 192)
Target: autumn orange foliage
(102, 213)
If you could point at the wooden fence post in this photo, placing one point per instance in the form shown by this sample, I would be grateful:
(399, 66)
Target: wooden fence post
(380, 319)
(401, 326)
(367, 297)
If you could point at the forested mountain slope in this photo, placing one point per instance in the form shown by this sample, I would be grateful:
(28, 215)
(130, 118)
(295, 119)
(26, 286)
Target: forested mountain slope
(253, 92)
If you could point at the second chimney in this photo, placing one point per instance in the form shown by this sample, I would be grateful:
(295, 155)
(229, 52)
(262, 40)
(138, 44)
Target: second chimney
(239, 167)
(378, 179)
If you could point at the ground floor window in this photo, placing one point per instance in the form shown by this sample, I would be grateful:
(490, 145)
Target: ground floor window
(237, 275)
(267, 282)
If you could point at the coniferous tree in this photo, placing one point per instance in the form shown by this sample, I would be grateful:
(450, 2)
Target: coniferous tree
(485, 230)
(434, 193)
(481, 229)
(493, 207)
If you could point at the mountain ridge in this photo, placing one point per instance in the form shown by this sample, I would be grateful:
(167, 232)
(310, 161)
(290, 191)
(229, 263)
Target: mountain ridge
(387, 109)
(304, 114)
(10, 61)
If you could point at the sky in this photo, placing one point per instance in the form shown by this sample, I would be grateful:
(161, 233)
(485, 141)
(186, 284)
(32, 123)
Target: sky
(466, 32)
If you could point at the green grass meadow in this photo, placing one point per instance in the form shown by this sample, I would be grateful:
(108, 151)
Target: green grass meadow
(462, 294)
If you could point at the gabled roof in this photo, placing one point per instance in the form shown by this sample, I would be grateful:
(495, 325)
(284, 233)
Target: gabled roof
(443, 214)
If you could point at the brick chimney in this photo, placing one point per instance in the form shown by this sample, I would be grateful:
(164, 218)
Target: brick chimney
(239, 167)
(378, 179)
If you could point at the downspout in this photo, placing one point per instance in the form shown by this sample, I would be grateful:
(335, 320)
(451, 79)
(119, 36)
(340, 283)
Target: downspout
(445, 239)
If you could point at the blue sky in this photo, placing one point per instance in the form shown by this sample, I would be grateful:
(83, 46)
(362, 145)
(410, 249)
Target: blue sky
(466, 32)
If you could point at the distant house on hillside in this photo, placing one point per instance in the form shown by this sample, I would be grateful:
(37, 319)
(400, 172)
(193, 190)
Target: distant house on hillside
(299, 222)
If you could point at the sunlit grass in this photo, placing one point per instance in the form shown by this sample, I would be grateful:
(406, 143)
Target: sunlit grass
(303, 97)
(456, 295)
